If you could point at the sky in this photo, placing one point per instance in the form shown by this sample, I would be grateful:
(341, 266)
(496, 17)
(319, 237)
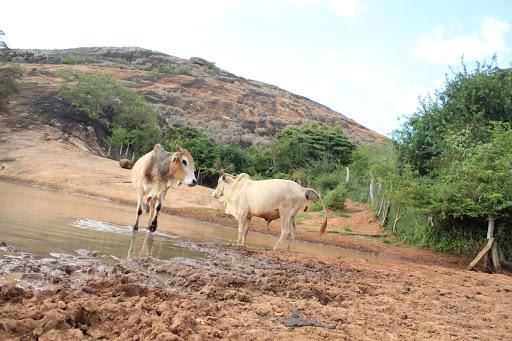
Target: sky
(370, 60)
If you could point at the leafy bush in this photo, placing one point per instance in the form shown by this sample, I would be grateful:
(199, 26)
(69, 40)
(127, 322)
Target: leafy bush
(184, 70)
(102, 97)
(335, 198)
(8, 76)
(326, 182)
(94, 93)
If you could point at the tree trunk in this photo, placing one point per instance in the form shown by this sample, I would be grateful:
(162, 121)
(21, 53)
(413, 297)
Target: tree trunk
(371, 192)
(431, 220)
(379, 193)
(133, 156)
(380, 205)
(397, 217)
(495, 257)
(121, 150)
(127, 148)
(108, 153)
(491, 258)
(386, 213)
(347, 177)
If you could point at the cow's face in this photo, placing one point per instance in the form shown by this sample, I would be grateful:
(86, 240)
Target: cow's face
(224, 180)
(182, 164)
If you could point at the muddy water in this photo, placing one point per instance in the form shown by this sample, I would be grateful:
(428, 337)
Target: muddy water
(44, 222)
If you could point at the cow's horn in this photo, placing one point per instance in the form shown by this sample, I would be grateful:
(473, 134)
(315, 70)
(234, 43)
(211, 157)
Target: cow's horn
(222, 172)
(179, 147)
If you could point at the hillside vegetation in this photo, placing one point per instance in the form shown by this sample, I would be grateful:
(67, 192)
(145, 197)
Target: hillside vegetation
(449, 174)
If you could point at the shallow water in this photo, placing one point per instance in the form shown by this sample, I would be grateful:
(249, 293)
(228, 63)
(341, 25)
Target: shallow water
(46, 223)
(43, 222)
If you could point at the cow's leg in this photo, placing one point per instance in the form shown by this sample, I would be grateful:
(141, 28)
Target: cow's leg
(157, 207)
(285, 229)
(288, 233)
(242, 221)
(152, 214)
(140, 199)
(246, 229)
(294, 228)
(147, 203)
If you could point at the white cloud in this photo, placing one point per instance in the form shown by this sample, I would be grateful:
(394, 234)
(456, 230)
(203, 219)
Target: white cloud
(440, 47)
(347, 9)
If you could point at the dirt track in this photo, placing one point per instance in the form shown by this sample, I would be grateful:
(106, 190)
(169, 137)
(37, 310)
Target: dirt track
(235, 293)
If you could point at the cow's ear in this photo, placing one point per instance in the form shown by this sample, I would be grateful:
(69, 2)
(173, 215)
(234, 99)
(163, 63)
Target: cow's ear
(175, 157)
(222, 172)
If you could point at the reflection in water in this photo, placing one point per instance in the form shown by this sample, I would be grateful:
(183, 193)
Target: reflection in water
(145, 250)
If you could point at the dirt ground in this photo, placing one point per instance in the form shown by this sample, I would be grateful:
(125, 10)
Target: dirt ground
(239, 293)
(234, 293)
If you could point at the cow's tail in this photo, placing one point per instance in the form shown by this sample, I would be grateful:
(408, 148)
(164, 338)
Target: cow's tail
(324, 224)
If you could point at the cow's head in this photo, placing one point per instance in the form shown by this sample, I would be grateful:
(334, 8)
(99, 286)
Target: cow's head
(177, 167)
(221, 183)
(226, 183)
(182, 167)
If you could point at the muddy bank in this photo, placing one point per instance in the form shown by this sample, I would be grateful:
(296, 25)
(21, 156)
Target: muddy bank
(237, 293)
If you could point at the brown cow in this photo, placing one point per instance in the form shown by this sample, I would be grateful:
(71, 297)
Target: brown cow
(157, 171)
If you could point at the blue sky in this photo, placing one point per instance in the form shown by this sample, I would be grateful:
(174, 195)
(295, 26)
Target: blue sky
(367, 59)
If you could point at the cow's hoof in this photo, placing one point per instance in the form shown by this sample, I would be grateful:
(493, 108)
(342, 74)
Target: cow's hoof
(135, 228)
(152, 228)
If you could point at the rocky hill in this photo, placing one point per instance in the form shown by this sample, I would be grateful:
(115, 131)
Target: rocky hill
(196, 92)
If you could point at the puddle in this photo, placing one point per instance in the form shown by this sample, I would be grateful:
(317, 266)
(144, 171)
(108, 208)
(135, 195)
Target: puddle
(47, 223)
(42, 222)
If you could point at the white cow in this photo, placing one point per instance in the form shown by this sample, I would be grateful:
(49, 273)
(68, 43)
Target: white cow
(244, 198)
(157, 171)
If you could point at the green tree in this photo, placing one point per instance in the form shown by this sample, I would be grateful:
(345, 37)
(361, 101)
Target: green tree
(475, 180)
(470, 99)
(299, 147)
(3, 44)
(132, 119)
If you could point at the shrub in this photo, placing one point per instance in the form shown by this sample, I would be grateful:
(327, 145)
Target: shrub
(328, 181)
(335, 198)
(184, 70)
(102, 97)
(212, 69)
(162, 68)
(94, 93)
(71, 59)
(316, 206)
(8, 76)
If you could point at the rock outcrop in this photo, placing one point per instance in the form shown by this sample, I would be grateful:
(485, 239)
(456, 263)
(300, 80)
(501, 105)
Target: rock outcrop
(195, 92)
